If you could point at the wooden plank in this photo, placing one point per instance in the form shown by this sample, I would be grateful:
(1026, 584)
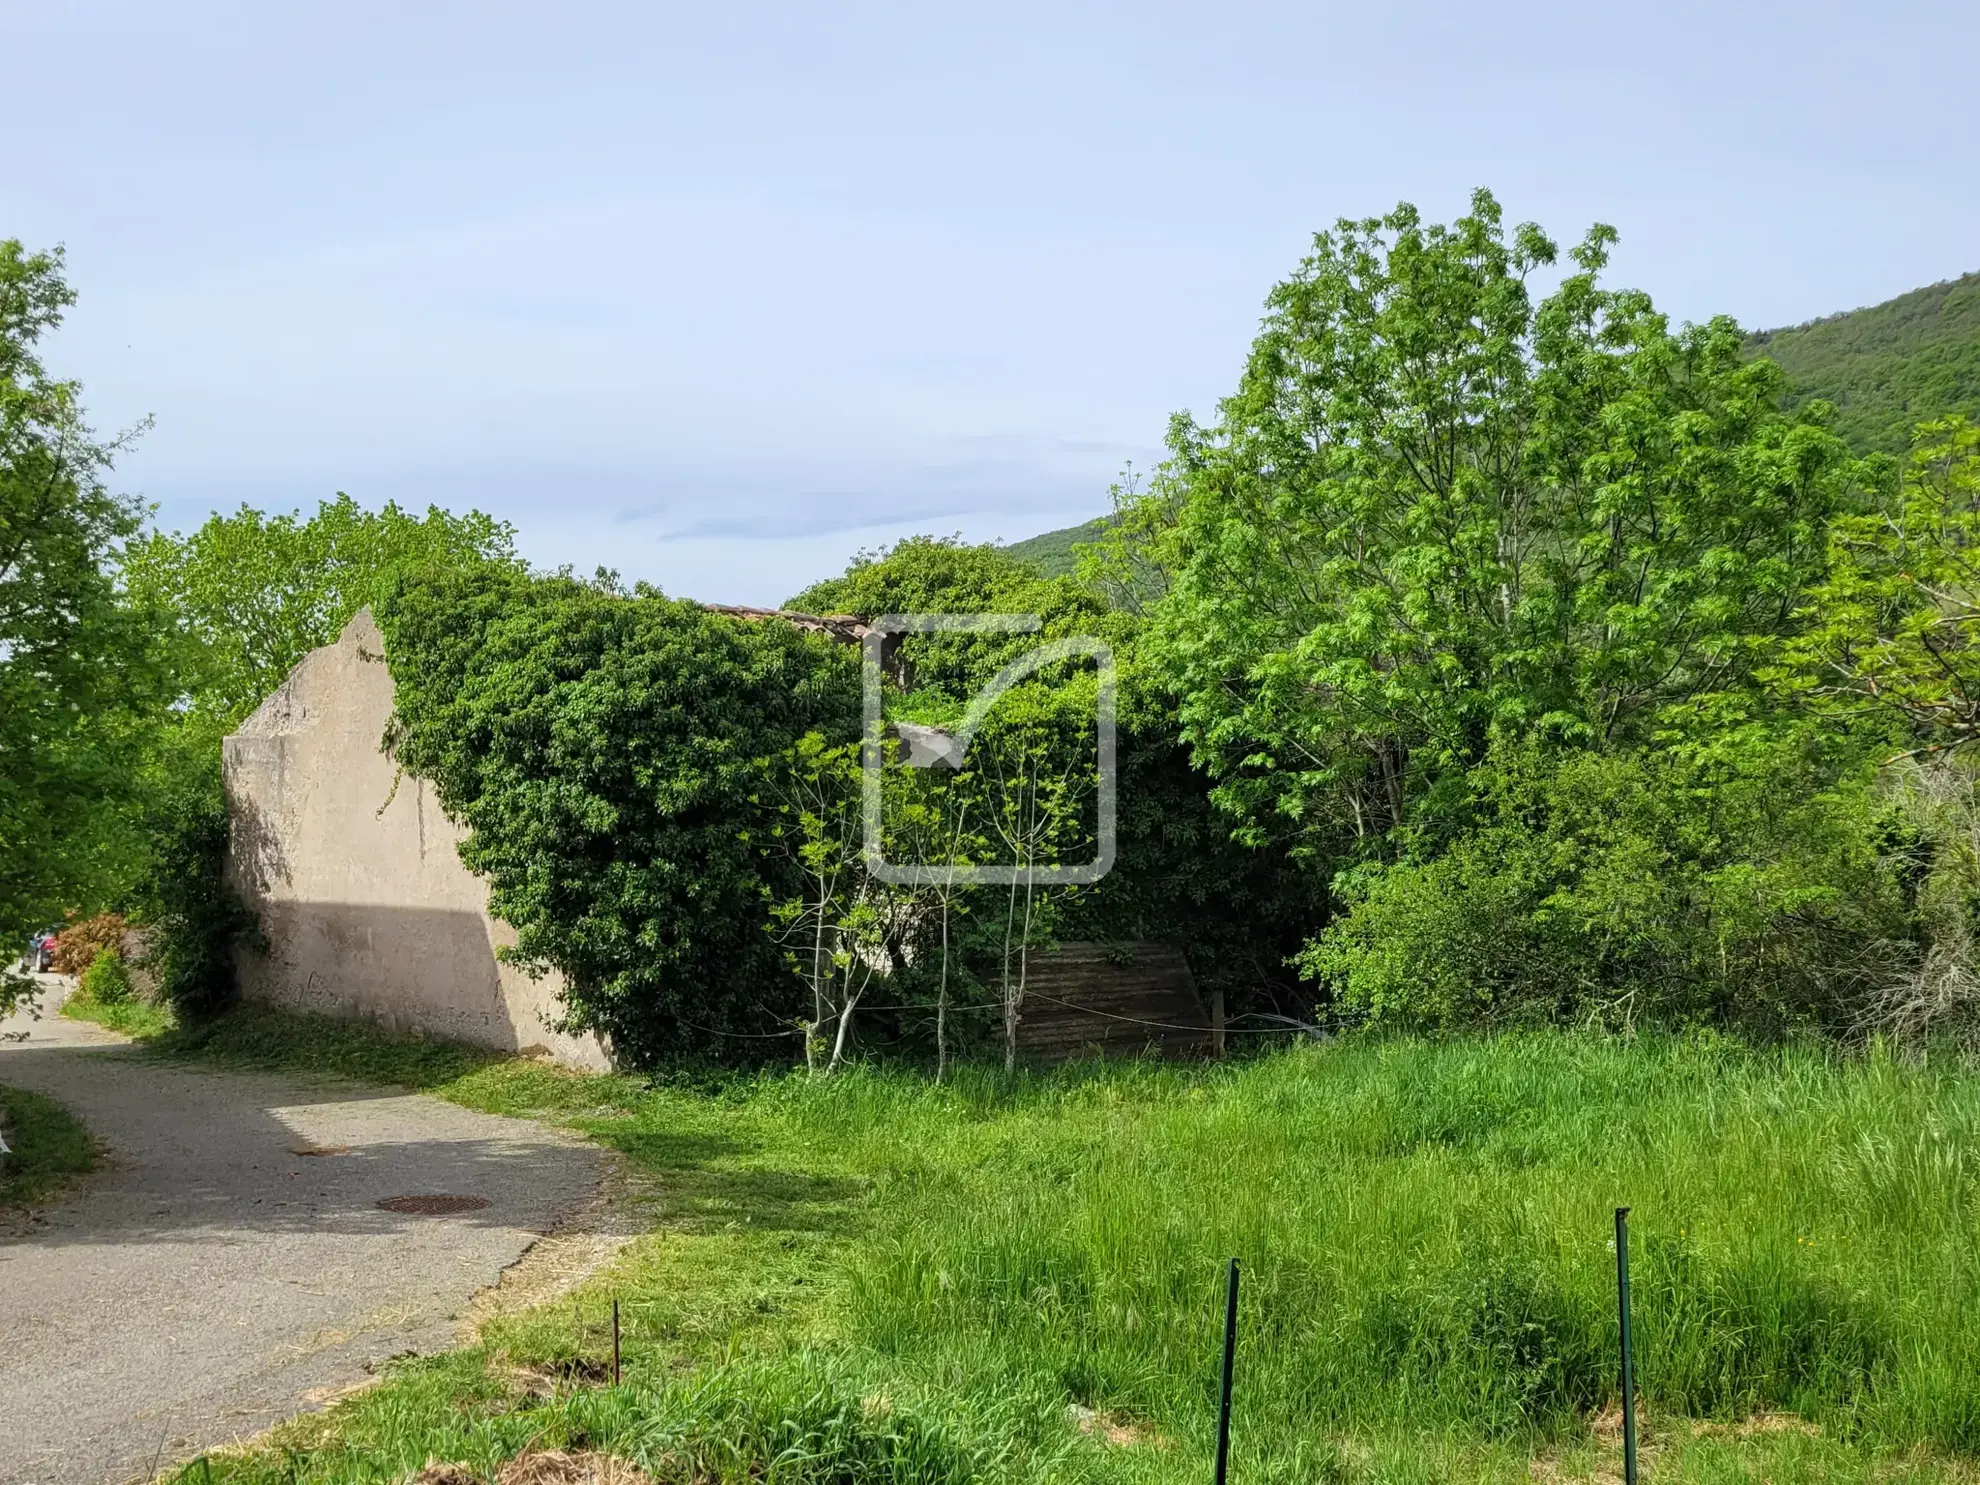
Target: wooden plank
(1086, 998)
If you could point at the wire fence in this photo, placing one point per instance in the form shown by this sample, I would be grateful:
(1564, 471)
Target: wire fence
(200, 1470)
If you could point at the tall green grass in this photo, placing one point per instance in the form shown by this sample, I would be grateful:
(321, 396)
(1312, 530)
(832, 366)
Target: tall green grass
(799, 1420)
(1425, 1235)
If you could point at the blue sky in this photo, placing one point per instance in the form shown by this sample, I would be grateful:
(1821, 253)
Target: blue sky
(718, 295)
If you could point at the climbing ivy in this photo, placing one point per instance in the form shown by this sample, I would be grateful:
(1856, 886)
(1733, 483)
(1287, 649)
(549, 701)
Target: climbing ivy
(611, 755)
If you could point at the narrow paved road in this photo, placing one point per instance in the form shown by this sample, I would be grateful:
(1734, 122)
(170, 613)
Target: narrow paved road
(231, 1264)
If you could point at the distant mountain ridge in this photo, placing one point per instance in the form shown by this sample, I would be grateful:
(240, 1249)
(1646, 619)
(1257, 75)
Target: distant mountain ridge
(1885, 368)
(1889, 366)
(1053, 551)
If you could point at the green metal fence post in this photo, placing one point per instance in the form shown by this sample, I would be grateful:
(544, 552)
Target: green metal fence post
(1628, 1365)
(1230, 1358)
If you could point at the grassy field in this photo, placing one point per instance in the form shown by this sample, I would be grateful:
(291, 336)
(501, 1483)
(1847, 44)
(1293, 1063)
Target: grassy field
(874, 1279)
(49, 1146)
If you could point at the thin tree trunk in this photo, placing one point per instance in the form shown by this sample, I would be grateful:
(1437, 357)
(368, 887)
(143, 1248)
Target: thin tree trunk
(850, 1004)
(942, 1000)
(839, 1041)
(1024, 961)
(817, 1026)
(1010, 1006)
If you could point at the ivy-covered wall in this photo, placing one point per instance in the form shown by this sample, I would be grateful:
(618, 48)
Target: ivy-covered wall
(609, 755)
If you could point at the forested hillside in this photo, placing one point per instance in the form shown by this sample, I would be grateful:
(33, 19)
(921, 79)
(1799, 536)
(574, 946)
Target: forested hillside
(1054, 552)
(1889, 366)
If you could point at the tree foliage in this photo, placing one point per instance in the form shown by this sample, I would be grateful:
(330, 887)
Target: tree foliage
(1438, 511)
(1893, 628)
(78, 668)
(250, 594)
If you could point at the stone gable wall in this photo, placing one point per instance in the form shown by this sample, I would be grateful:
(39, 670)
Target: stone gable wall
(352, 870)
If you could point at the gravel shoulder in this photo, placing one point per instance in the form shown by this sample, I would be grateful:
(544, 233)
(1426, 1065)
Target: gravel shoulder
(230, 1265)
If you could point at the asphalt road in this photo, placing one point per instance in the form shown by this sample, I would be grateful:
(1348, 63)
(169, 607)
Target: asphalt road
(230, 1264)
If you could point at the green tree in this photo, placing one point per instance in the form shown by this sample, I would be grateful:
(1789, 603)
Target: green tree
(250, 594)
(78, 672)
(236, 605)
(1438, 510)
(1893, 628)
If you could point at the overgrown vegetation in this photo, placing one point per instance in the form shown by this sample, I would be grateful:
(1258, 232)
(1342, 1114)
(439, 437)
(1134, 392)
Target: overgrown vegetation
(1178, 874)
(903, 1282)
(610, 753)
(106, 995)
(1739, 889)
(1488, 656)
(1550, 638)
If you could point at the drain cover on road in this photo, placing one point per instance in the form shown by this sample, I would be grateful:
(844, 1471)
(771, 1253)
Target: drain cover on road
(436, 1205)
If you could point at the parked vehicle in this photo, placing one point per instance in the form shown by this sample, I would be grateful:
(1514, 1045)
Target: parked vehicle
(40, 956)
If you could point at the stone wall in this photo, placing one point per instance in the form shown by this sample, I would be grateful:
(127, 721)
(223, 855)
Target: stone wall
(353, 872)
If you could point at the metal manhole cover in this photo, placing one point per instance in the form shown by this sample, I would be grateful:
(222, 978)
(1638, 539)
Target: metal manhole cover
(436, 1205)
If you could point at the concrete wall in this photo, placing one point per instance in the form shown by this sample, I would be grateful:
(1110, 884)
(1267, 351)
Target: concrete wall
(354, 875)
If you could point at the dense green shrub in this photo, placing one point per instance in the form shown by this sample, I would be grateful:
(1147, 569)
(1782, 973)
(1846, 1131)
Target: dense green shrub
(194, 921)
(107, 981)
(1664, 885)
(611, 755)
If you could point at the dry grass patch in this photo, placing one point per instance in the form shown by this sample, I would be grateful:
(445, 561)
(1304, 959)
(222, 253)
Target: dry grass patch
(541, 1467)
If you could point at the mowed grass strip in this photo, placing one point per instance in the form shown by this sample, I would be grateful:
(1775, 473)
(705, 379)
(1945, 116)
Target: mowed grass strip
(1021, 1279)
(49, 1146)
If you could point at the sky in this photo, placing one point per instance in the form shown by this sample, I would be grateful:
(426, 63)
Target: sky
(719, 295)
